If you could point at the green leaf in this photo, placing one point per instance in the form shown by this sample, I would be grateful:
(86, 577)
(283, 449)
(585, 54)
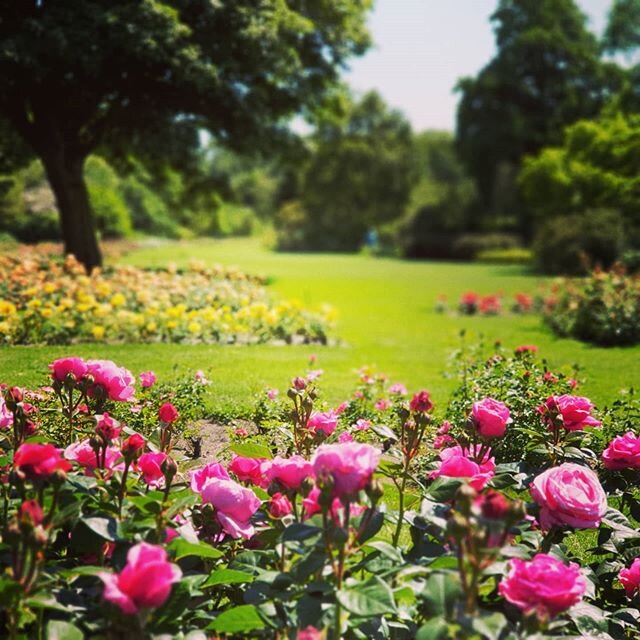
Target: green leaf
(387, 550)
(490, 625)
(435, 629)
(590, 621)
(237, 620)
(251, 450)
(371, 598)
(440, 593)
(61, 630)
(444, 489)
(182, 549)
(105, 527)
(299, 531)
(227, 576)
(384, 432)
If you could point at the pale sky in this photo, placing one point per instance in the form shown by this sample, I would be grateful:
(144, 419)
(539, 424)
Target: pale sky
(421, 48)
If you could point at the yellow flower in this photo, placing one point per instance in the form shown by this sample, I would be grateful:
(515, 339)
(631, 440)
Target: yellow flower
(193, 327)
(118, 300)
(7, 308)
(98, 332)
(49, 287)
(151, 327)
(5, 328)
(172, 324)
(46, 312)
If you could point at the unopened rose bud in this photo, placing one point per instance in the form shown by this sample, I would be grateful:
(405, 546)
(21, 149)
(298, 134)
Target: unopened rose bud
(168, 413)
(169, 468)
(133, 447)
(375, 491)
(299, 383)
(31, 513)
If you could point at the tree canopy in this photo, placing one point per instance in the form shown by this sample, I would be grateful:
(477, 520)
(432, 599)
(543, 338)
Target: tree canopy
(109, 72)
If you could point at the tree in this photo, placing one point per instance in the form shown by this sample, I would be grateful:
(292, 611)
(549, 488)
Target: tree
(546, 74)
(622, 34)
(78, 75)
(359, 175)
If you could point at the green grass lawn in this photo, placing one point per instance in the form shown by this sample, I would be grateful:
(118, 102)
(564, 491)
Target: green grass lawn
(386, 318)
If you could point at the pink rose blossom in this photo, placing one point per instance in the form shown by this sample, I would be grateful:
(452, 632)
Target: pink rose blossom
(290, 472)
(241, 432)
(253, 470)
(630, 578)
(147, 379)
(442, 441)
(341, 408)
(444, 428)
(200, 477)
(61, 368)
(38, 461)
(351, 465)
(84, 454)
(623, 452)
(144, 583)
(201, 378)
(545, 585)
(6, 416)
(345, 436)
(311, 504)
(150, 465)
(398, 389)
(490, 417)
(116, 381)
(280, 505)
(234, 506)
(569, 494)
(573, 411)
(272, 394)
(323, 422)
(108, 427)
(168, 413)
(382, 405)
(314, 375)
(421, 402)
(361, 424)
(309, 633)
(456, 462)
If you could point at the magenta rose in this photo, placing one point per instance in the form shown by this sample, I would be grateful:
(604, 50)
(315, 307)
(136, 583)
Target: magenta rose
(61, 368)
(252, 470)
(144, 583)
(150, 465)
(38, 461)
(168, 413)
(421, 402)
(107, 427)
(116, 381)
(456, 462)
(324, 422)
(490, 417)
(544, 586)
(630, 578)
(623, 452)
(280, 505)
(147, 379)
(83, 454)
(351, 465)
(573, 411)
(290, 472)
(569, 495)
(234, 505)
(200, 477)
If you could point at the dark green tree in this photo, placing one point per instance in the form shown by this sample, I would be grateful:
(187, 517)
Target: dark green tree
(79, 75)
(546, 74)
(622, 34)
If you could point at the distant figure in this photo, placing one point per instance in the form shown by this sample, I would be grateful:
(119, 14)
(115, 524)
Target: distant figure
(371, 239)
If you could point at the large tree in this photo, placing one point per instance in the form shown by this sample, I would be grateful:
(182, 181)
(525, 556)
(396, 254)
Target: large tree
(546, 74)
(78, 75)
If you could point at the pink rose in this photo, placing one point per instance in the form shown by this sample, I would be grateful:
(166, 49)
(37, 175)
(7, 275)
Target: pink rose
(630, 578)
(201, 378)
(253, 470)
(31, 512)
(168, 413)
(341, 408)
(37, 461)
(150, 465)
(382, 405)
(545, 585)
(398, 389)
(290, 472)
(361, 424)
(6, 416)
(279, 505)
(107, 427)
(421, 402)
(324, 422)
(527, 348)
(491, 417)
(456, 462)
(144, 583)
(200, 477)
(345, 436)
(272, 394)
(61, 368)
(133, 446)
(84, 454)
(573, 411)
(569, 495)
(311, 504)
(442, 441)
(314, 375)
(116, 381)
(234, 506)
(623, 452)
(351, 465)
(147, 379)
(309, 633)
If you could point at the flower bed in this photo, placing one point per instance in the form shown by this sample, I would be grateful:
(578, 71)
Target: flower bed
(47, 301)
(472, 303)
(378, 517)
(603, 308)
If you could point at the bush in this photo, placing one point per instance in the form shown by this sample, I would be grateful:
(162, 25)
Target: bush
(291, 227)
(603, 309)
(517, 255)
(573, 244)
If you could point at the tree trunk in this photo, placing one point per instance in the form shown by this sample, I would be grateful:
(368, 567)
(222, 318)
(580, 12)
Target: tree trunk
(65, 172)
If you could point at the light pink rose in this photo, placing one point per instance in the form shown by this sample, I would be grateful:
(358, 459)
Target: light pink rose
(144, 583)
(116, 381)
(350, 464)
(324, 422)
(201, 377)
(83, 454)
(60, 368)
(147, 379)
(630, 578)
(569, 495)
(314, 375)
(456, 462)
(491, 417)
(200, 477)
(290, 472)
(361, 424)
(234, 506)
(272, 394)
(150, 465)
(623, 452)
(382, 404)
(573, 411)
(545, 585)
(398, 389)
(6, 417)
(253, 470)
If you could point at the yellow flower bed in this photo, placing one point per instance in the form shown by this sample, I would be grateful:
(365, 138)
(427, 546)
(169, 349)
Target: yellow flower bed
(49, 301)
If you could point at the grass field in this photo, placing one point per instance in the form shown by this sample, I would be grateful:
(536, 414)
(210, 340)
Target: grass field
(386, 318)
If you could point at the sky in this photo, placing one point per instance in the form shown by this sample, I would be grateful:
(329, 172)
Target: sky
(422, 47)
